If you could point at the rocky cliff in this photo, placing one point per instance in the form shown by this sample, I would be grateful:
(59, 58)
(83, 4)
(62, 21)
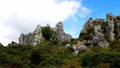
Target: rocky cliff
(37, 36)
(32, 38)
(100, 32)
(60, 35)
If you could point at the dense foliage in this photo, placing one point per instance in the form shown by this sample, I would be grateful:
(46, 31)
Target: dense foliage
(48, 55)
(47, 32)
(92, 59)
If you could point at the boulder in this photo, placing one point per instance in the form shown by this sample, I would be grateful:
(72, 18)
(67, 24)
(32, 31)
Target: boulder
(87, 42)
(82, 48)
(67, 45)
(103, 44)
(79, 48)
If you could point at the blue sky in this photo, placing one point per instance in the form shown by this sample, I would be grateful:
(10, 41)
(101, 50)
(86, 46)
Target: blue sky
(22, 16)
(99, 9)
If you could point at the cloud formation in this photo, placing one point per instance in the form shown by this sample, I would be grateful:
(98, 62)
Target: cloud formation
(22, 16)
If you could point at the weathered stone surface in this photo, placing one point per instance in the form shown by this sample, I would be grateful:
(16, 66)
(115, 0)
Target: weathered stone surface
(102, 31)
(60, 35)
(103, 44)
(117, 25)
(37, 37)
(67, 45)
(80, 47)
(87, 42)
(110, 26)
(98, 37)
(22, 39)
(88, 24)
(32, 38)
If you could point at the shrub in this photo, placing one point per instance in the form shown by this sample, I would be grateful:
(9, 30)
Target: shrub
(35, 57)
(107, 57)
(86, 36)
(47, 32)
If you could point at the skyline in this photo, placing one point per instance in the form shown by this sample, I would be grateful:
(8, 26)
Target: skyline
(23, 16)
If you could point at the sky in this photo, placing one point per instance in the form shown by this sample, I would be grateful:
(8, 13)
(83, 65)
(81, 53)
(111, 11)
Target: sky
(22, 16)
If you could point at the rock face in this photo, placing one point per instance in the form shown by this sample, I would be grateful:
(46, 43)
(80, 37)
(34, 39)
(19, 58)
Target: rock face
(32, 38)
(98, 37)
(60, 35)
(110, 26)
(87, 25)
(117, 24)
(103, 31)
(37, 36)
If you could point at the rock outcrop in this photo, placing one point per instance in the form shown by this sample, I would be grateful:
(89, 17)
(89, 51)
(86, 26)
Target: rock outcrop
(110, 26)
(80, 47)
(117, 25)
(32, 38)
(99, 32)
(60, 35)
(37, 36)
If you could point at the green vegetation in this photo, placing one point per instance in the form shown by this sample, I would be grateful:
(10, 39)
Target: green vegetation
(86, 36)
(47, 32)
(45, 55)
(93, 59)
(48, 55)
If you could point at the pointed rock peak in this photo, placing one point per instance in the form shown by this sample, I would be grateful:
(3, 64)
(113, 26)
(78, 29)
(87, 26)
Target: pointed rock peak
(59, 24)
(109, 14)
(38, 26)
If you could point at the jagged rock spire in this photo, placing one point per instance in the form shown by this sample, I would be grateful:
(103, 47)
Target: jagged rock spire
(110, 26)
(60, 35)
(32, 38)
(37, 37)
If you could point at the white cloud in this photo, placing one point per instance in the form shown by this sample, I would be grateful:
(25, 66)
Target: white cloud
(5, 31)
(22, 16)
(84, 12)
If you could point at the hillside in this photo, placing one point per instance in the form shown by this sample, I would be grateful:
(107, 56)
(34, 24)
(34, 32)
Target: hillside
(98, 46)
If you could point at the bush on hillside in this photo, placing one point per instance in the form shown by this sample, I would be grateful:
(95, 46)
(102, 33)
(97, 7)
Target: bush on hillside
(47, 32)
(103, 57)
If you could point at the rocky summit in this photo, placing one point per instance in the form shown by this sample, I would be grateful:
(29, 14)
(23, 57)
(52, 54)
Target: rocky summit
(32, 38)
(37, 36)
(100, 32)
(60, 35)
